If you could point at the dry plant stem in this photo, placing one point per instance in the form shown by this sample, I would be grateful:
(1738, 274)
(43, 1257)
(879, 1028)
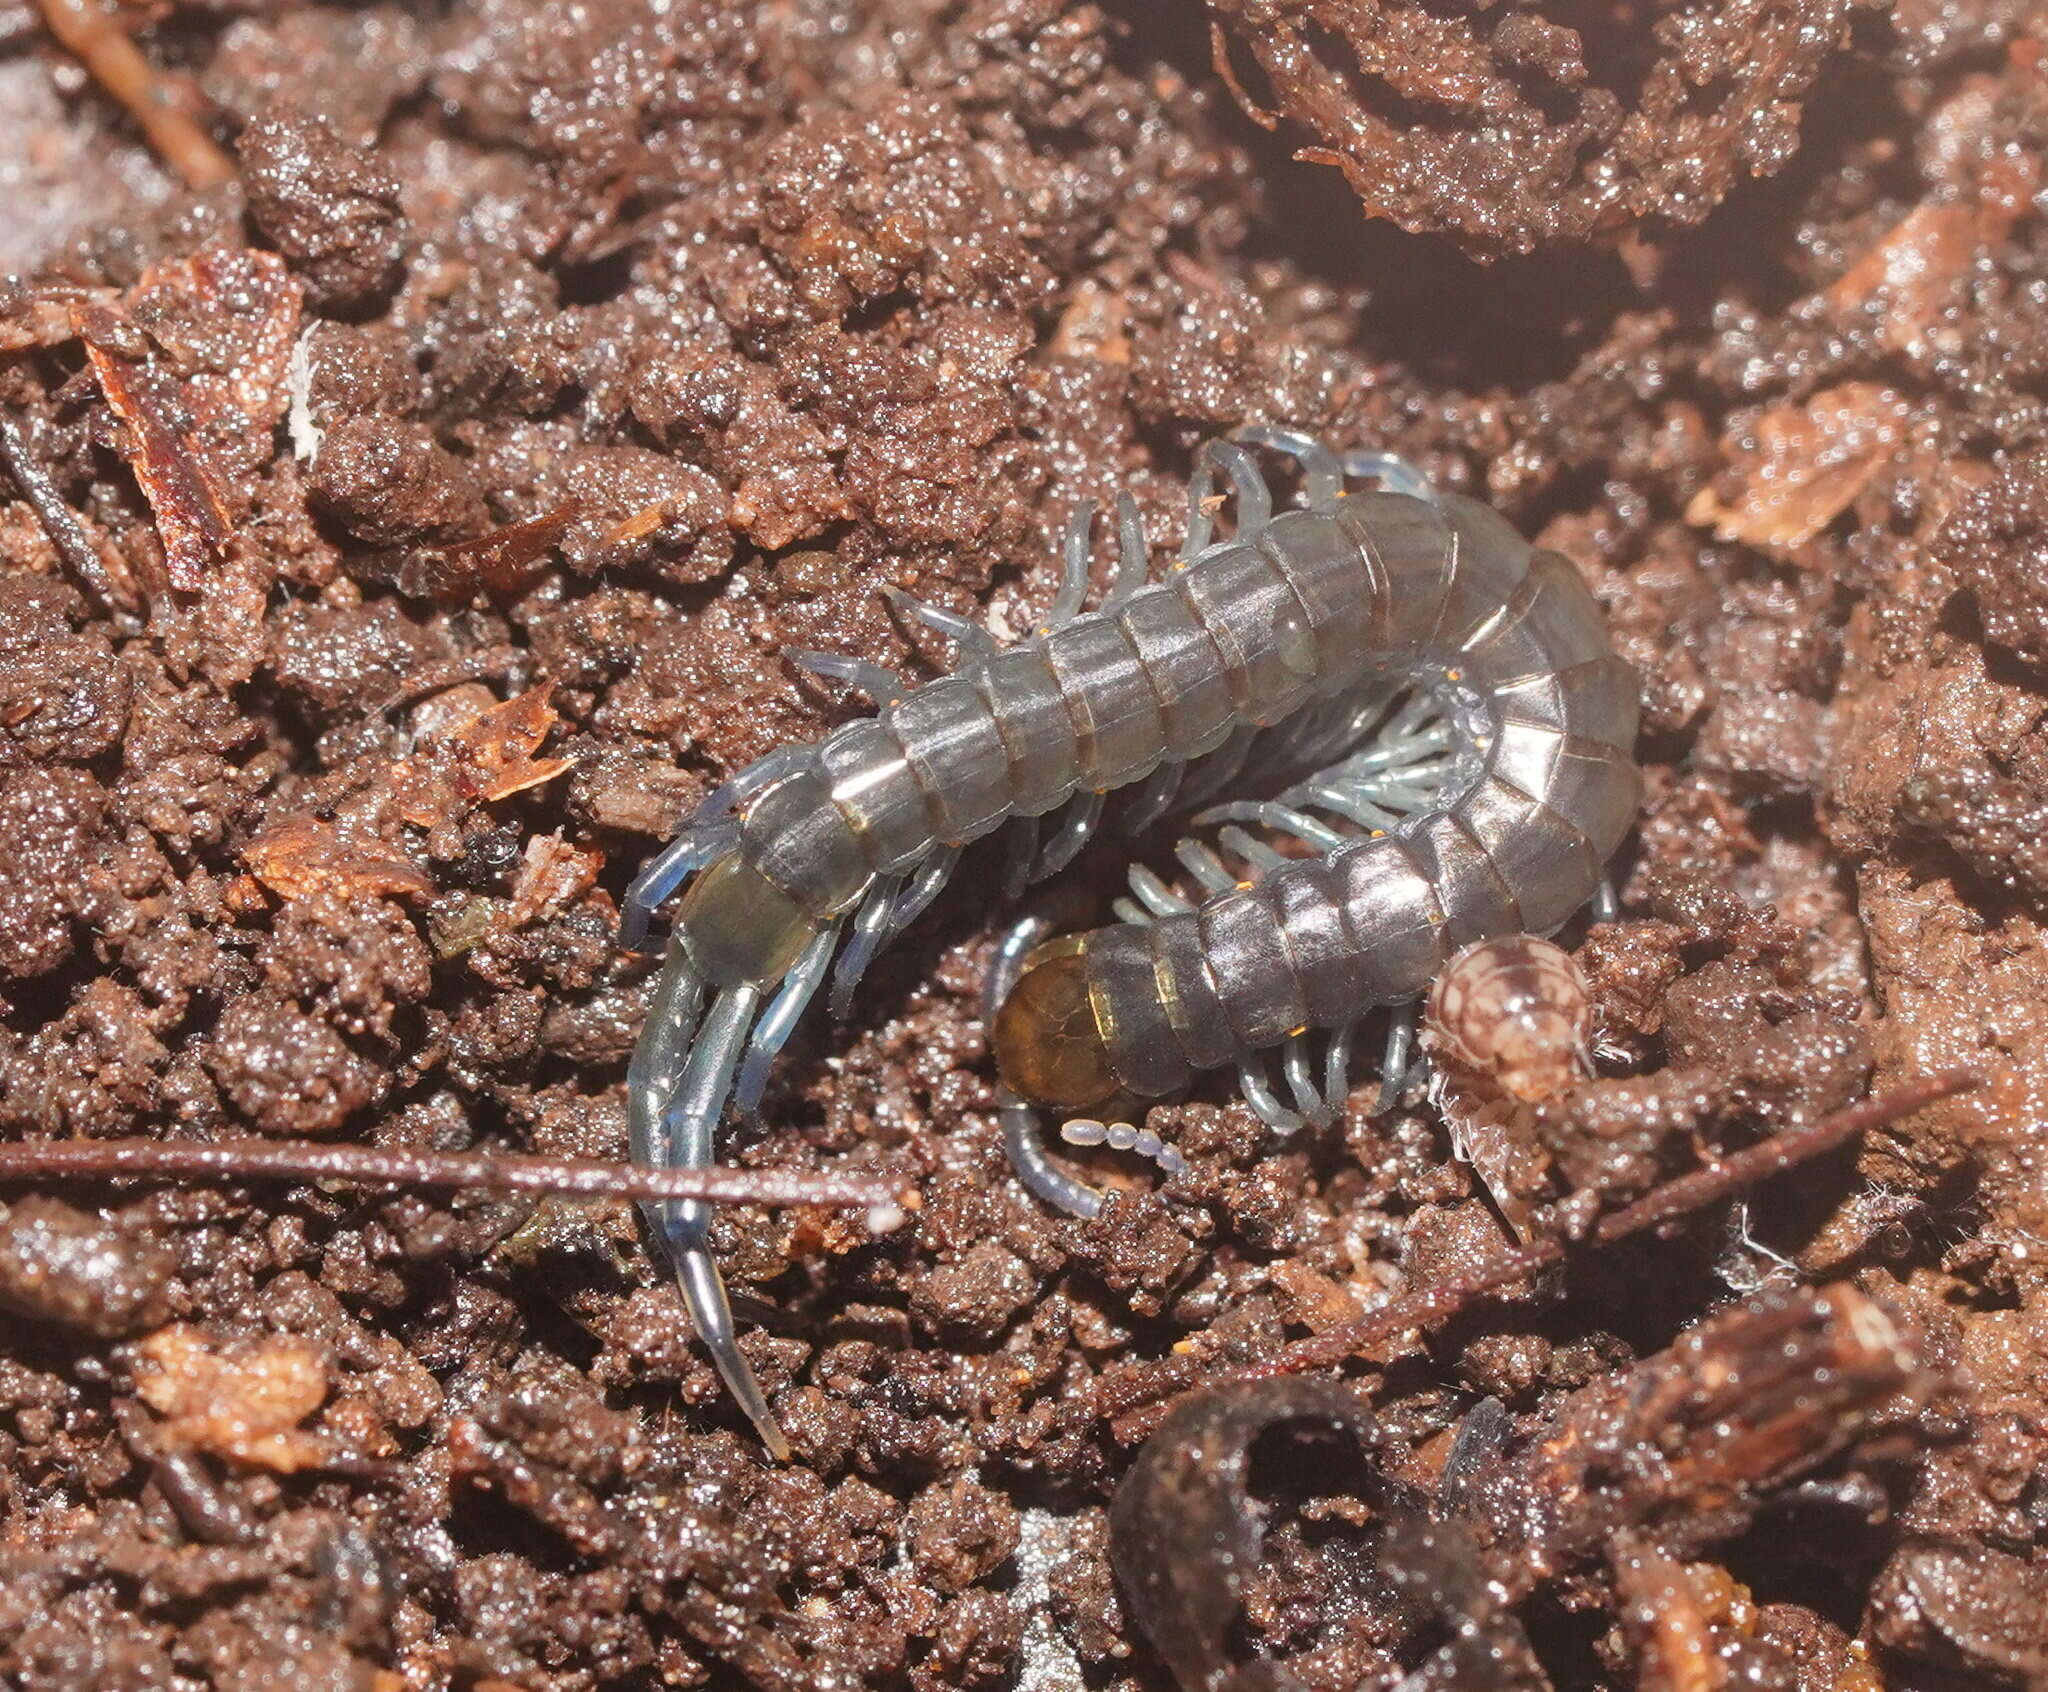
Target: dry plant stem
(382, 1166)
(59, 521)
(88, 29)
(1674, 1199)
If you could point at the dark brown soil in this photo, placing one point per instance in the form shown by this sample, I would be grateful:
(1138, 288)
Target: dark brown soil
(396, 542)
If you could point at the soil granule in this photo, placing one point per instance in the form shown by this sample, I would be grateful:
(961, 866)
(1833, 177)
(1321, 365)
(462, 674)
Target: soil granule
(399, 539)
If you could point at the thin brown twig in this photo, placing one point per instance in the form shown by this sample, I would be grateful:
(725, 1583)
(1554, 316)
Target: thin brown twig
(1674, 1199)
(89, 30)
(67, 534)
(403, 1167)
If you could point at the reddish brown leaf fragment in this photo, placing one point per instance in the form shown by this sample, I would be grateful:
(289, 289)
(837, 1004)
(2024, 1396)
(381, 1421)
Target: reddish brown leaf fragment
(502, 741)
(1799, 466)
(183, 491)
(302, 855)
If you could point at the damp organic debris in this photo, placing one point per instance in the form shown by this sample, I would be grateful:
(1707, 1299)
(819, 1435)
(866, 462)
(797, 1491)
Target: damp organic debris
(430, 438)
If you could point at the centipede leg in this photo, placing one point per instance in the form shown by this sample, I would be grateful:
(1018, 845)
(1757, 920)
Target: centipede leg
(667, 870)
(1309, 1104)
(975, 644)
(1076, 552)
(1337, 1069)
(1251, 1082)
(779, 1020)
(1391, 471)
(867, 934)
(1254, 498)
(880, 683)
(1044, 1178)
(925, 886)
(1152, 799)
(1133, 557)
(684, 1139)
(1394, 1060)
(1074, 832)
(1606, 903)
(1322, 471)
(1020, 852)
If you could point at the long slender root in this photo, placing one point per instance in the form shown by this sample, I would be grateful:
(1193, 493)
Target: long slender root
(88, 29)
(390, 1166)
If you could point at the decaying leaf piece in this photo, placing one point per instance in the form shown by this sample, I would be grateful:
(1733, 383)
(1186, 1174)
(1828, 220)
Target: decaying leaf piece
(242, 1402)
(487, 757)
(553, 874)
(304, 855)
(502, 561)
(1797, 467)
(195, 369)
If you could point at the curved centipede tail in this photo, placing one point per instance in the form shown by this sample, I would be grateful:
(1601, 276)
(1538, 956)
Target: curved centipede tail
(676, 1087)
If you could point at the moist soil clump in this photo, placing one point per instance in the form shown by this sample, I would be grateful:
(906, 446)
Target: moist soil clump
(399, 538)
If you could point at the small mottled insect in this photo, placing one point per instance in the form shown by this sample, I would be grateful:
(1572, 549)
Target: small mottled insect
(1508, 1026)
(1511, 1016)
(1280, 644)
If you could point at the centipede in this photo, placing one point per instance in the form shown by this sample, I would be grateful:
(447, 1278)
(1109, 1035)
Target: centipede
(1446, 692)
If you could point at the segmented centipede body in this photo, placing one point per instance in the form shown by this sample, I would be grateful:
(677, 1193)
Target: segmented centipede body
(1288, 639)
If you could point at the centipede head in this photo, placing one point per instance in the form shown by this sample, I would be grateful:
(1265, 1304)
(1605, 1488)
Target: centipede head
(1050, 1042)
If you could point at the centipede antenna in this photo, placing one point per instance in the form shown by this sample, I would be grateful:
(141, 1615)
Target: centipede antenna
(1008, 963)
(687, 1129)
(1254, 498)
(1124, 1136)
(880, 683)
(667, 870)
(1075, 828)
(1150, 803)
(1133, 557)
(975, 644)
(1308, 1103)
(1076, 552)
(1251, 1081)
(866, 935)
(779, 1020)
(1036, 1169)
(1392, 472)
(1020, 852)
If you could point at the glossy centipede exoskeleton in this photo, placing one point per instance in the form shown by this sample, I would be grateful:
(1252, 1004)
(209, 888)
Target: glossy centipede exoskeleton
(1289, 640)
